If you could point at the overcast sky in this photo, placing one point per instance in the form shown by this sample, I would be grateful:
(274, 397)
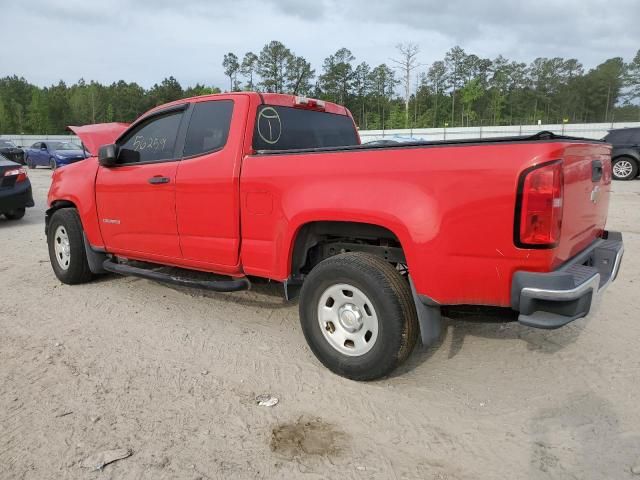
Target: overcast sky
(147, 40)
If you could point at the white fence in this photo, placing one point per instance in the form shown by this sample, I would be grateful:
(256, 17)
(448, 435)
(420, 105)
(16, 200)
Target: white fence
(587, 130)
(28, 140)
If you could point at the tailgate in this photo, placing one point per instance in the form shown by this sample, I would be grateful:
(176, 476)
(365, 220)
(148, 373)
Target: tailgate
(587, 185)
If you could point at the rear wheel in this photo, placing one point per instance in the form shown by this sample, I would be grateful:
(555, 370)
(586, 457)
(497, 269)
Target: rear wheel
(30, 163)
(66, 247)
(52, 164)
(16, 214)
(358, 316)
(625, 168)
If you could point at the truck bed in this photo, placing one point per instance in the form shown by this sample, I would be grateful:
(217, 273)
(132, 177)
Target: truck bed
(452, 205)
(543, 136)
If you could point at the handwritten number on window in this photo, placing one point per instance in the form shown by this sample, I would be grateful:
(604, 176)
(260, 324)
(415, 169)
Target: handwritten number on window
(151, 144)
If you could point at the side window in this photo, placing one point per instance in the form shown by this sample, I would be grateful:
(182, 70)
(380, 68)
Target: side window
(208, 128)
(152, 141)
(36, 145)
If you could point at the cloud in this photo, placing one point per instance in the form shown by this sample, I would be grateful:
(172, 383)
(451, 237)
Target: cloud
(147, 40)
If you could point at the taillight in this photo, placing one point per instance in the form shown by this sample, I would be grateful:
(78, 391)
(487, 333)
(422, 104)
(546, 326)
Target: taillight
(20, 172)
(310, 103)
(539, 206)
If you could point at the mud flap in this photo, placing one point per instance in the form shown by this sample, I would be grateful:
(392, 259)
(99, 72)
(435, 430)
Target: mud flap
(429, 318)
(94, 259)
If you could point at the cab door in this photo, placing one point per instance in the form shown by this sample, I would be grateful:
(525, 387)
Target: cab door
(136, 198)
(207, 188)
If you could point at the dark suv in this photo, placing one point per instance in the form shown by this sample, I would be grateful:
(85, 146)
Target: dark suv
(625, 156)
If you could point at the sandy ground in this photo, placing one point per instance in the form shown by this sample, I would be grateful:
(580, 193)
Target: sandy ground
(172, 375)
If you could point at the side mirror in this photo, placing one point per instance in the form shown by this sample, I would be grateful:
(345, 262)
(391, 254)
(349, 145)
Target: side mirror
(108, 155)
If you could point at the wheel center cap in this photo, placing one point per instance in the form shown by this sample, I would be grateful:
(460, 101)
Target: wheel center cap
(350, 317)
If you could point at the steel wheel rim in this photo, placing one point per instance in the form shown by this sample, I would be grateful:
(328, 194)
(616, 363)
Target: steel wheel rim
(62, 247)
(348, 320)
(622, 168)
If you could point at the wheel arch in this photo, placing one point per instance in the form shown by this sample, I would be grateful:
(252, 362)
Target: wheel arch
(95, 257)
(313, 233)
(56, 205)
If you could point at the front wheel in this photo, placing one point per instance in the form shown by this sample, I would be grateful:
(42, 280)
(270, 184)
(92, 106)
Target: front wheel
(624, 168)
(66, 247)
(16, 214)
(358, 316)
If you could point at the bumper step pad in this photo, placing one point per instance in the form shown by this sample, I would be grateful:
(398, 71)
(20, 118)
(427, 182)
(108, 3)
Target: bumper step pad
(551, 300)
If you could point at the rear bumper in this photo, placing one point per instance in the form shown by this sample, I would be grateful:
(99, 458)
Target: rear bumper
(16, 198)
(551, 300)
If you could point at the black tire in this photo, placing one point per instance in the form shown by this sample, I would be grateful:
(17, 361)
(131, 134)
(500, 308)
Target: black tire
(52, 164)
(16, 214)
(29, 163)
(630, 163)
(392, 301)
(77, 270)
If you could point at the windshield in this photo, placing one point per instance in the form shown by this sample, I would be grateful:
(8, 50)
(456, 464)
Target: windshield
(7, 144)
(63, 146)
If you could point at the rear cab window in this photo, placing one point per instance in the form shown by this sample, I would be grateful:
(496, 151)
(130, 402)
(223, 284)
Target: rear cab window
(290, 128)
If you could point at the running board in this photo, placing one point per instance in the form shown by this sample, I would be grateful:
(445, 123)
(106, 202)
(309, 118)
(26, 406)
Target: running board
(234, 285)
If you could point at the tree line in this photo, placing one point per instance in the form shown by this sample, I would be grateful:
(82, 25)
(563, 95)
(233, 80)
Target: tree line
(461, 89)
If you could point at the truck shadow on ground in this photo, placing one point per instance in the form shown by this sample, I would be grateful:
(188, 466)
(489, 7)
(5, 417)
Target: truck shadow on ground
(263, 294)
(456, 331)
(269, 295)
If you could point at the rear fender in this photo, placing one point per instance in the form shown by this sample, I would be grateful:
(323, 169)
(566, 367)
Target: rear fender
(397, 205)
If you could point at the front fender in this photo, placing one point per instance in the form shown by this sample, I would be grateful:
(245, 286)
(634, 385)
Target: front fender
(75, 185)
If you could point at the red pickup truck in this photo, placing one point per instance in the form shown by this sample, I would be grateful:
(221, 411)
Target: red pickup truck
(378, 240)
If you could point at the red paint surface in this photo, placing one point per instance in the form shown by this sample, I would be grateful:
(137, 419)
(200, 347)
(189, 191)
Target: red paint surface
(93, 136)
(452, 206)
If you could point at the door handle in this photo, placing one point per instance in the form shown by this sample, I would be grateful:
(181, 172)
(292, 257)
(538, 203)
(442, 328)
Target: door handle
(596, 170)
(158, 179)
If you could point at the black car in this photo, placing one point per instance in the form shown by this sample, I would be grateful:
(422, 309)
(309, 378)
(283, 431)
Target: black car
(9, 150)
(15, 189)
(625, 156)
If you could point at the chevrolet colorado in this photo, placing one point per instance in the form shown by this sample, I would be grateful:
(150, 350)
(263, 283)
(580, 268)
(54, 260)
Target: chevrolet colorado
(377, 240)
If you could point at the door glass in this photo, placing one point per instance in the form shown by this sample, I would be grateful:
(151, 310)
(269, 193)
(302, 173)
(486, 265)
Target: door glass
(208, 127)
(152, 141)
